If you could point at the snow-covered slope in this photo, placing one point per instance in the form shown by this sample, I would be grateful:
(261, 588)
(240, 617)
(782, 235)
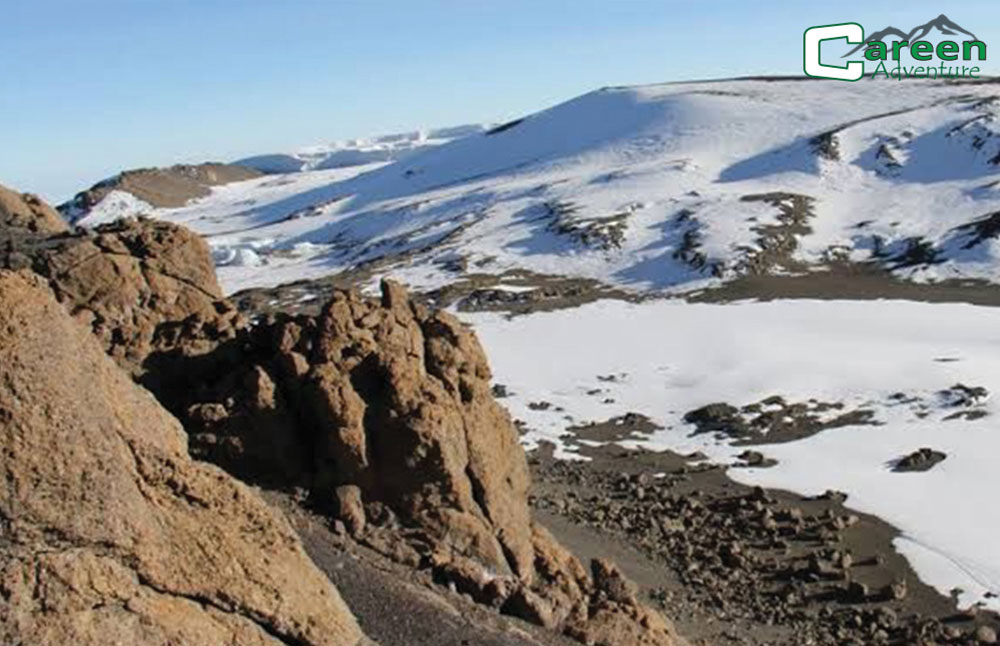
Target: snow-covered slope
(661, 187)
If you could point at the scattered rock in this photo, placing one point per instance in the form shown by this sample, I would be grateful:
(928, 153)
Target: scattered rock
(718, 418)
(773, 420)
(783, 569)
(755, 459)
(897, 590)
(920, 460)
(961, 395)
(857, 592)
(838, 497)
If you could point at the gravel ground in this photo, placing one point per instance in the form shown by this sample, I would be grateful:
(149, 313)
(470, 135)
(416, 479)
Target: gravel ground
(732, 564)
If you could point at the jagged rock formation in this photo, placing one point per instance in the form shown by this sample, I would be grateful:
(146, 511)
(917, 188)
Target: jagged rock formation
(27, 211)
(382, 411)
(110, 533)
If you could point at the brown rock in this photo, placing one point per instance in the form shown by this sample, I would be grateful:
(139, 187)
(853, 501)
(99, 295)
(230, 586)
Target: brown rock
(381, 403)
(350, 508)
(627, 625)
(27, 211)
(611, 583)
(394, 407)
(986, 635)
(112, 535)
(615, 616)
(139, 285)
(470, 577)
(531, 606)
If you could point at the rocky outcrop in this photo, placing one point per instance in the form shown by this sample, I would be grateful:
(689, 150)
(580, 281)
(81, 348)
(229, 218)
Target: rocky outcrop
(134, 283)
(382, 411)
(110, 533)
(27, 211)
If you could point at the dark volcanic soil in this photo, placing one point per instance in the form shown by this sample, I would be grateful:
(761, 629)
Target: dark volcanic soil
(729, 564)
(732, 564)
(527, 292)
(471, 293)
(849, 281)
(399, 606)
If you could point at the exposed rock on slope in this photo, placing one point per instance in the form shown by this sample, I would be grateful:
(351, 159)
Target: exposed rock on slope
(27, 211)
(111, 534)
(159, 187)
(382, 410)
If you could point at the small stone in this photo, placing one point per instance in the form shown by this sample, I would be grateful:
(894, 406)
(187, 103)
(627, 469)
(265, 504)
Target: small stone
(886, 617)
(920, 460)
(986, 635)
(857, 592)
(834, 496)
(752, 458)
(897, 590)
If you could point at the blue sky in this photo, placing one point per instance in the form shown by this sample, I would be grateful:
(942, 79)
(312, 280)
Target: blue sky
(90, 87)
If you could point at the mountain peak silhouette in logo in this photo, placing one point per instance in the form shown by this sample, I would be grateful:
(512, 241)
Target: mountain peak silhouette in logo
(943, 23)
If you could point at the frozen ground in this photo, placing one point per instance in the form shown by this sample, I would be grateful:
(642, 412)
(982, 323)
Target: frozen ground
(665, 358)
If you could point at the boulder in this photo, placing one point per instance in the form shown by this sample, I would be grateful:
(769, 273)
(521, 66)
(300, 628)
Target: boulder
(111, 534)
(27, 211)
(135, 283)
(920, 460)
(140, 285)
